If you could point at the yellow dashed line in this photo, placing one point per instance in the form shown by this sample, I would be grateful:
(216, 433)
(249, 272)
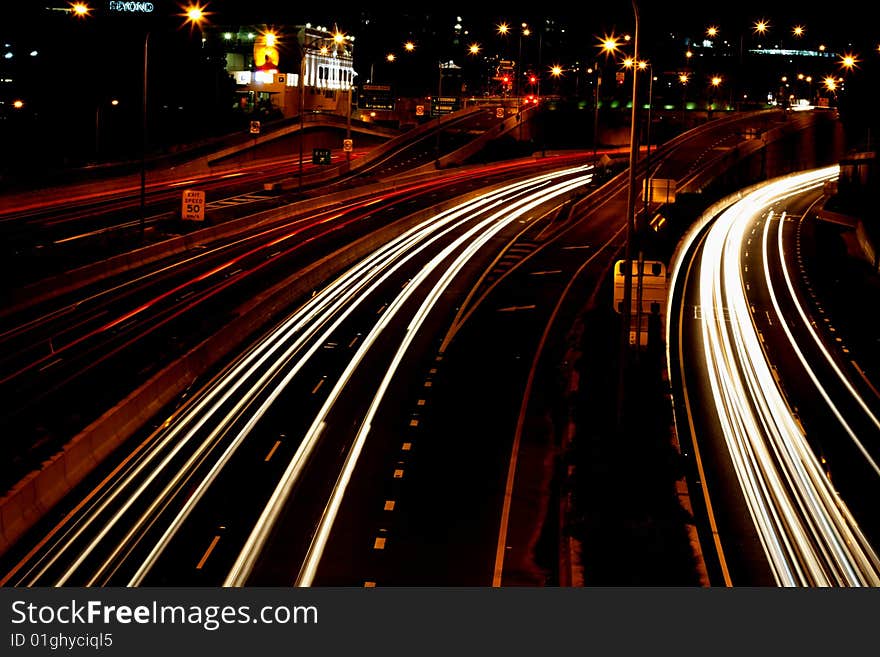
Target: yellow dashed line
(389, 505)
(369, 585)
(406, 447)
(398, 474)
(315, 389)
(208, 552)
(272, 451)
(379, 543)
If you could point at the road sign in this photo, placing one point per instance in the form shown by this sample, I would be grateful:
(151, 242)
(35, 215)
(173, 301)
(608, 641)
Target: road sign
(347, 145)
(420, 110)
(320, 156)
(192, 207)
(662, 190)
(255, 127)
(499, 112)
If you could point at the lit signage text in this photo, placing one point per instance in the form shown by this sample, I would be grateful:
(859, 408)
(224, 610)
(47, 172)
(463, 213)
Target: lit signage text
(132, 7)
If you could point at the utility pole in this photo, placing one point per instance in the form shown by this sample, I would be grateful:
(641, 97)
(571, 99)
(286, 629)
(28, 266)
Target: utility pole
(630, 235)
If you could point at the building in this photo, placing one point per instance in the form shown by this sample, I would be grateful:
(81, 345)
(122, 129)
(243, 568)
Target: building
(278, 72)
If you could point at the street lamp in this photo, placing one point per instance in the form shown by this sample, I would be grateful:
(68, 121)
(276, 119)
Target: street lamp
(630, 228)
(194, 15)
(608, 44)
(80, 9)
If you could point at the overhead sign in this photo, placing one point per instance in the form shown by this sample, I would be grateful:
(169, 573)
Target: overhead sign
(126, 7)
(320, 156)
(193, 206)
(347, 145)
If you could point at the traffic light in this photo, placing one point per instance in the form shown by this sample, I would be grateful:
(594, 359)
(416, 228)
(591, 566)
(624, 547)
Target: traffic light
(533, 79)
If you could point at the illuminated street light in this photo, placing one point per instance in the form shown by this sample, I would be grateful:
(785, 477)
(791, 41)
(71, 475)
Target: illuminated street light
(761, 26)
(503, 28)
(194, 15)
(712, 31)
(798, 30)
(609, 44)
(849, 61)
(474, 49)
(409, 46)
(390, 57)
(80, 9)
(18, 103)
(630, 232)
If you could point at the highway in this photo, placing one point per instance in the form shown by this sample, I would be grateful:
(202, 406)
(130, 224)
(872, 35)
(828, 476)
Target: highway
(57, 353)
(383, 412)
(323, 374)
(783, 422)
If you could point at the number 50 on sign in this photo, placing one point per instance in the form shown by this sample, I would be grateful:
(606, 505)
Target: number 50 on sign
(193, 205)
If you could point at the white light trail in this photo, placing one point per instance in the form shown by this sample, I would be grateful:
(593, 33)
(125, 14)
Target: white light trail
(809, 536)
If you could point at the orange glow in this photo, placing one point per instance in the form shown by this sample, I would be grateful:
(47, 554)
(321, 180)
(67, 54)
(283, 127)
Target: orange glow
(474, 48)
(409, 46)
(849, 60)
(18, 104)
(503, 28)
(81, 9)
(798, 30)
(761, 26)
(609, 43)
(194, 14)
(712, 31)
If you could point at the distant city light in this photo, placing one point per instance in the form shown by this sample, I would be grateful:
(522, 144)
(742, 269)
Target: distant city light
(18, 104)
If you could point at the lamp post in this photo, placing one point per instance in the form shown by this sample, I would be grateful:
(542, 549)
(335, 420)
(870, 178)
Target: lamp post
(630, 230)
(608, 45)
(194, 14)
(596, 109)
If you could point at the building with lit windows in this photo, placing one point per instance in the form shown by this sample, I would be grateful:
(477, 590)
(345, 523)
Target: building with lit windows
(267, 66)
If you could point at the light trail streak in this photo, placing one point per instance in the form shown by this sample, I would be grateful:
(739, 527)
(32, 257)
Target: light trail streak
(809, 536)
(218, 422)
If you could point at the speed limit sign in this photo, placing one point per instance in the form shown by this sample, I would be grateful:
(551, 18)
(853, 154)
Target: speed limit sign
(193, 205)
(347, 145)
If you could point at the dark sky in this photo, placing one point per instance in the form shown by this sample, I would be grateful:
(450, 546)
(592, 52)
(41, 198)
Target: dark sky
(856, 24)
